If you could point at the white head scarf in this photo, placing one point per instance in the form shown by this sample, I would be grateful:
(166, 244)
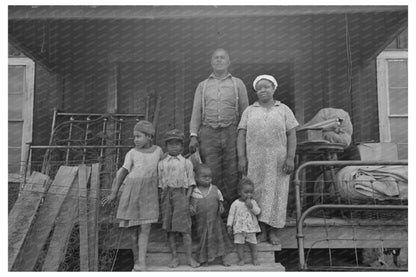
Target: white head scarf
(266, 77)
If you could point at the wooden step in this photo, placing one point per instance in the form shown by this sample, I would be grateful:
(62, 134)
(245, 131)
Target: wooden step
(246, 267)
(163, 258)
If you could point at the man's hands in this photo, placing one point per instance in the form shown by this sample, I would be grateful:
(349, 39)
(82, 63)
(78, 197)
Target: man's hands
(193, 144)
(242, 165)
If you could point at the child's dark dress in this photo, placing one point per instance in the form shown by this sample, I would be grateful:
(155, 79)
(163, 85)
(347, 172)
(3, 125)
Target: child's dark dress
(212, 234)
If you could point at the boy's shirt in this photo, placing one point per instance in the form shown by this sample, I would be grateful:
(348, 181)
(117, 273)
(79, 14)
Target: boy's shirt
(175, 172)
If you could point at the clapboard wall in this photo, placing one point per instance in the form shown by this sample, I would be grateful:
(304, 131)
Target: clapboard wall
(322, 60)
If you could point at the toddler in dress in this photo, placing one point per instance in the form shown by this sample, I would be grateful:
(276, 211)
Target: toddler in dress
(242, 221)
(138, 206)
(207, 206)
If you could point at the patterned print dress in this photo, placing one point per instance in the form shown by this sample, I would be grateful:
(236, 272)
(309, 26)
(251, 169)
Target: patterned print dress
(266, 147)
(139, 203)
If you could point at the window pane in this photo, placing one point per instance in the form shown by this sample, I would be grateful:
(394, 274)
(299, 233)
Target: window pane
(14, 160)
(402, 151)
(397, 73)
(15, 106)
(15, 134)
(398, 100)
(16, 79)
(398, 129)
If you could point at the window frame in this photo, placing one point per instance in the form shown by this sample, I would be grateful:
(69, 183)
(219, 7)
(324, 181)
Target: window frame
(383, 91)
(27, 113)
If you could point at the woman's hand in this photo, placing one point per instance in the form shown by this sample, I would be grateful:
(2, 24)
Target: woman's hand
(109, 199)
(230, 230)
(242, 165)
(288, 166)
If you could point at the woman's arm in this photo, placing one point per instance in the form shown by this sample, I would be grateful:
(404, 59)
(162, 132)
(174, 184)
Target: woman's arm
(289, 165)
(241, 151)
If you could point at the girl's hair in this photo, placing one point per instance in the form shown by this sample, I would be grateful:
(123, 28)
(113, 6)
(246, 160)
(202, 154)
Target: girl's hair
(245, 181)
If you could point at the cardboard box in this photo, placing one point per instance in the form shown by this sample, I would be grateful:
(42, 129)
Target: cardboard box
(309, 135)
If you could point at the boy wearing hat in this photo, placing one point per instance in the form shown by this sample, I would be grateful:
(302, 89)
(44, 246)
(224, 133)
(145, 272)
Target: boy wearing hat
(176, 179)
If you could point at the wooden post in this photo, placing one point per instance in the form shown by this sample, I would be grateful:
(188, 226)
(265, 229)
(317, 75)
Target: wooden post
(83, 218)
(93, 213)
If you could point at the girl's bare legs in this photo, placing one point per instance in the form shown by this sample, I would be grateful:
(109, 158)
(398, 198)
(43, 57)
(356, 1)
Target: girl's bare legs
(187, 241)
(254, 254)
(135, 238)
(142, 244)
(172, 244)
(240, 252)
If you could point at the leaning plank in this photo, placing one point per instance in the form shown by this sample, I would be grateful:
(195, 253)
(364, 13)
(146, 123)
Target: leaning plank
(93, 217)
(23, 213)
(64, 224)
(83, 218)
(45, 219)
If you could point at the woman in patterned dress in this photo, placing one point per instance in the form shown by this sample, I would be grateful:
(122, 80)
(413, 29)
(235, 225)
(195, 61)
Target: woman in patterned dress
(266, 146)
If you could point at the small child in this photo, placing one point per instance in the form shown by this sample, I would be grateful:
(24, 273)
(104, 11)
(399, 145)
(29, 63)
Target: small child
(242, 221)
(176, 179)
(207, 206)
(139, 205)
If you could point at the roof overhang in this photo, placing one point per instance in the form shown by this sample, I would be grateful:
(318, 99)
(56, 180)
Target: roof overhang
(149, 12)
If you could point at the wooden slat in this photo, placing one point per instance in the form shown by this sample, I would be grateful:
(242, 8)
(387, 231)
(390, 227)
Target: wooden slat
(23, 213)
(93, 212)
(45, 219)
(63, 228)
(83, 218)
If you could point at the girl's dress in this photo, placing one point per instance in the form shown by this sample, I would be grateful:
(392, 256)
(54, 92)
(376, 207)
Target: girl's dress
(266, 142)
(139, 200)
(212, 234)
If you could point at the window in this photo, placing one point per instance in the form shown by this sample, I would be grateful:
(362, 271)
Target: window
(20, 114)
(392, 89)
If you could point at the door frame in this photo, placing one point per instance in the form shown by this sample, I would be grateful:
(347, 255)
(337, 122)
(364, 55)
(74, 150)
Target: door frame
(27, 113)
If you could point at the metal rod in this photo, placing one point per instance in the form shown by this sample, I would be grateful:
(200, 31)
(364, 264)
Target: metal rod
(45, 168)
(69, 140)
(300, 217)
(85, 139)
(345, 163)
(103, 138)
(299, 226)
(118, 130)
(100, 114)
(79, 146)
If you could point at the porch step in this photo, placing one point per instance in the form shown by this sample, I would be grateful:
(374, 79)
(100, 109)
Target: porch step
(247, 267)
(158, 254)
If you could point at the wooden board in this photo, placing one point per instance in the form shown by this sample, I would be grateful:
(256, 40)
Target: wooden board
(64, 224)
(83, 218)
(347, 236)
(45, 219)
(93, 212)
(23, 213)
(269, 267)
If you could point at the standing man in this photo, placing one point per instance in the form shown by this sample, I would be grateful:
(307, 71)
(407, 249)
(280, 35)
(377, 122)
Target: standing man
(218, 104)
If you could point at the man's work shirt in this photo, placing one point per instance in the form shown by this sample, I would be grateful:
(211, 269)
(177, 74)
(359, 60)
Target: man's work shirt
(220, 96)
